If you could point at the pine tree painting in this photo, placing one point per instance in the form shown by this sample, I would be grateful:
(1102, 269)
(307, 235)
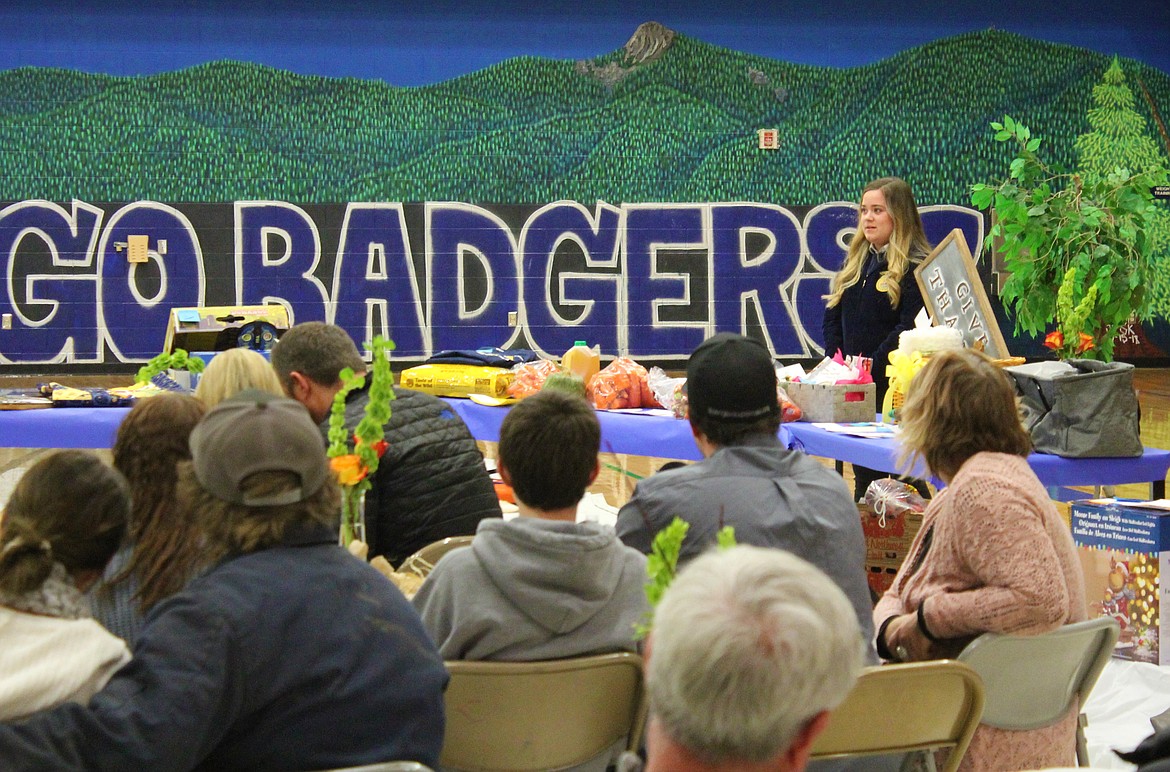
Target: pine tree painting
(1120, 137)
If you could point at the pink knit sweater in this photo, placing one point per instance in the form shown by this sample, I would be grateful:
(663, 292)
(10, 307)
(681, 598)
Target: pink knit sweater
(1001, 560)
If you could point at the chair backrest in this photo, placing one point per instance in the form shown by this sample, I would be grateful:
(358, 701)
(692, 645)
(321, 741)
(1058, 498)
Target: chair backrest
(919, 706)
(542, 715)
(1031, 680)
(423, 561)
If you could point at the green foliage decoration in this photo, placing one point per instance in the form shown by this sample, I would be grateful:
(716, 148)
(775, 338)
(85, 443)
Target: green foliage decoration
(1049, 223)
(1121, 137)
(662, 563)
(178, 360)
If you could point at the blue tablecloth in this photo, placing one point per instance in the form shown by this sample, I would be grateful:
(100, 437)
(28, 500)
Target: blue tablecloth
(1053, 471)
(634, 433)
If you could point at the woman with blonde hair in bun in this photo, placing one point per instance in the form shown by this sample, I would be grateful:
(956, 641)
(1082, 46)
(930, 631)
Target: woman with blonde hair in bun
(60, 527)
(233, 371)
(992, 555)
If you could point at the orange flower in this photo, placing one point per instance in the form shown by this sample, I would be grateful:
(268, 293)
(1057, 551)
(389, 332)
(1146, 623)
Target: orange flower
(348, 469)
(1054, 340)
(1085, 344)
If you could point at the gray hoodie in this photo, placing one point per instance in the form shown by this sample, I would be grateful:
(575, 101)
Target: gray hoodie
(533, 589)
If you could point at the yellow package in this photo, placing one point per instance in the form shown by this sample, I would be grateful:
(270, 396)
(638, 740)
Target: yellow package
(457, 380)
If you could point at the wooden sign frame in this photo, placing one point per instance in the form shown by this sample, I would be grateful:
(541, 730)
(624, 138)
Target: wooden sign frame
(954, 296)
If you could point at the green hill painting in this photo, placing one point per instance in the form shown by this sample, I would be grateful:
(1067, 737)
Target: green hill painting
(665, 119)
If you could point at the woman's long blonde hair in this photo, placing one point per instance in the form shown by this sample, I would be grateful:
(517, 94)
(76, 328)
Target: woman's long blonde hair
(908, 240)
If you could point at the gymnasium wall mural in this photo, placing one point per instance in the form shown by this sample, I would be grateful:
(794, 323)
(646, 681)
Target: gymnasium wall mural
(639, 199)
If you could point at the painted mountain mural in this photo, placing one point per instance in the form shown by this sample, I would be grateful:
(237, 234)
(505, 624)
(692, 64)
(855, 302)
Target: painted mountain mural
(667, 118)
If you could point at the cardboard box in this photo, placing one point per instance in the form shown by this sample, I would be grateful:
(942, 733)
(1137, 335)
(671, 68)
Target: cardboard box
(887, 543)
(216, 328)
(828, 403)
(1123, 552)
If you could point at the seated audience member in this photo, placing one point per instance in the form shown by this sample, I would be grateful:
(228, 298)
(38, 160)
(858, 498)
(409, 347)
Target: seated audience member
(773, 497)
(233, 371)
(162, 549)
(541, 586)
(60, 527)
(751, 648)
(993, 554)
(431, 483)
(287, 654)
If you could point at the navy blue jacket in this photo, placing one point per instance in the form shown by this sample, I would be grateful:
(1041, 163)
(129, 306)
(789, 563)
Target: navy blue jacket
(294, 657)
(864, 323)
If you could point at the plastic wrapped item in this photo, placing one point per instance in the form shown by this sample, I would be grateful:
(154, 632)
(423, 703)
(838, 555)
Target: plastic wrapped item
(666, 389)
(789, 410)
(457, 380)
(680, 405)
(888, 497)
(622, 384)
(528, 378)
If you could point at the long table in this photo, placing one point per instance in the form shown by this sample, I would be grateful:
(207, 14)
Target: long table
(1053, 471)
(635, 433)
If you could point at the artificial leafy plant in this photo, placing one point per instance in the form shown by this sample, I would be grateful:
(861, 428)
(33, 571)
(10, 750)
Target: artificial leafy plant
(179, 360)
(662, 563)
(1075, 244)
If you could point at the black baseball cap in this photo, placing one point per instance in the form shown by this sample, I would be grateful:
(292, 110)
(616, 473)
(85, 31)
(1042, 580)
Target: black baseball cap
(731, 378)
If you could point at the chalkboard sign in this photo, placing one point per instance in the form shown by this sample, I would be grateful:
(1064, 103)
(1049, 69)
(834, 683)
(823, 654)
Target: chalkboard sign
(954, 295)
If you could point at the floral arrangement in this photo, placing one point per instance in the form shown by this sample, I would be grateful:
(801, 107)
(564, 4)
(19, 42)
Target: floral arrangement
(353, 466)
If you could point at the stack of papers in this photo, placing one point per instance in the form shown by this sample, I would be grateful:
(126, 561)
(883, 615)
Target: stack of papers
(869, 430)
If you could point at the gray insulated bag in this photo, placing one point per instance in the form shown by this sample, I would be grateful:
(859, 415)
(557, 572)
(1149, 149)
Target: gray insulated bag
(1080, 408)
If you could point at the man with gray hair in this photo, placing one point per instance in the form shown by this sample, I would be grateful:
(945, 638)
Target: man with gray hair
(751, 648)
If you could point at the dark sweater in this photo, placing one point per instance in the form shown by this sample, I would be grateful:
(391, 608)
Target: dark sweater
(864, 323)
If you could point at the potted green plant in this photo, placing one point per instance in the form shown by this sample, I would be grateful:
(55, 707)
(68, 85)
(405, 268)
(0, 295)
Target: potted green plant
(1075, 245)
(178, 360)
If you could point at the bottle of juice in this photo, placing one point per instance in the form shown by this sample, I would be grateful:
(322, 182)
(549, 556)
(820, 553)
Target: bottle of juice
(582, 361)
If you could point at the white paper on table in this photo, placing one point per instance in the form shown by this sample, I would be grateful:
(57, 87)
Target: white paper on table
(868, 430)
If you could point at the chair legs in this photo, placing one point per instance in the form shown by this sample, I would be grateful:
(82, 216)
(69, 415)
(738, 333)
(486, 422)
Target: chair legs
(1082, 743)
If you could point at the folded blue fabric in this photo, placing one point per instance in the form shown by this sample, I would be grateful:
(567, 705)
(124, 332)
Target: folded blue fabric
(492, 357)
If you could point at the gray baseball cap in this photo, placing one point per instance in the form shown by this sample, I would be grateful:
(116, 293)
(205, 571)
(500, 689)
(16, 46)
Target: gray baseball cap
(255, 431)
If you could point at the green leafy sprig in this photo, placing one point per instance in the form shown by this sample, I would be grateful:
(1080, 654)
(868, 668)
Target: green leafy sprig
(662, 564)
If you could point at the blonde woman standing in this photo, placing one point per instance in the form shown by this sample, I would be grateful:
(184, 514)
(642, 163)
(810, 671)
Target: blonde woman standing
(874, 297)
